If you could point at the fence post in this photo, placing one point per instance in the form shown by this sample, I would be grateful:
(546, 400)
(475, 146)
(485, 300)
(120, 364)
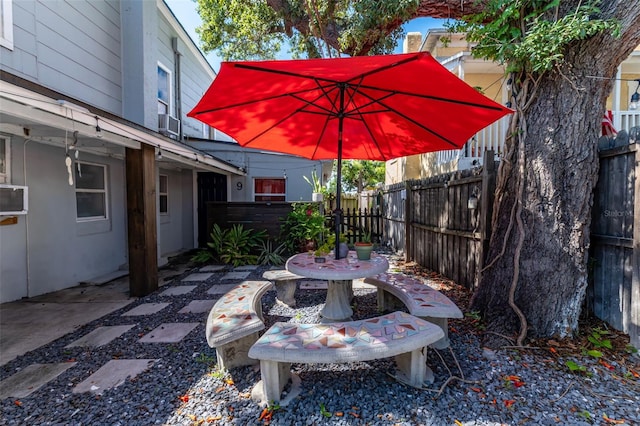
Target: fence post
(408, 251)
(486, 208)
(634, 326)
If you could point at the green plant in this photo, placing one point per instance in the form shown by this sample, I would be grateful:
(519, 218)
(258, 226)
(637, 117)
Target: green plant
(206, 359)
(314, 182)
(585, 415)
(270, 255)
(235, 245)
(575, 367)
(597, 340)
(324, 411)
(304, 223)
(203, 256)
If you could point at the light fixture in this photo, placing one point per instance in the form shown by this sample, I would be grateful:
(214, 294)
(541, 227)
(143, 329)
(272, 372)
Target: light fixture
(635, 98)
(159, 153)
(98, 129)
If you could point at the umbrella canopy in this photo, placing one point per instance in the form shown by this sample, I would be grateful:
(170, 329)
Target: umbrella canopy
(367, 108)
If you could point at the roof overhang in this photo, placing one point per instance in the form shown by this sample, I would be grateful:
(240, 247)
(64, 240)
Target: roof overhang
(31, 115)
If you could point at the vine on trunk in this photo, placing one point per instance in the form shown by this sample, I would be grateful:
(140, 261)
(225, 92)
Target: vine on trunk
(530, 37)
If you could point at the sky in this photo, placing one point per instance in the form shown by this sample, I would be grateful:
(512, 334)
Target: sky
(185, 11)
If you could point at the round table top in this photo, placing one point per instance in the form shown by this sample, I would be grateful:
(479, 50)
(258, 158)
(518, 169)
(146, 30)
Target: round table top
(347, 268)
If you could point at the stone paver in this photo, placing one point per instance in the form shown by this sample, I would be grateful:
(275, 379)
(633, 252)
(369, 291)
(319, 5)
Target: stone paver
(198, 276)
(197, 307)
(101, 336)
(169, 332)
(31, 378)
(212, 268)
(236, 275)
(146, 309)
(178, 290)
(246, 268)
(220, 288)
(113, 374)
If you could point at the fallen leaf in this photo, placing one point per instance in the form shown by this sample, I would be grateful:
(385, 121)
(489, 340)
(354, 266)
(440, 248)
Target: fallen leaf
(509, 402)
(220, 389)
(476, 389)
(606, 364)
(192, 417)
(356, 415)
(229, 382)
(634, 374)
(339, 414)
(17, 402)
(211, 419)
(184, 398)
(611, 421)
(553, 350)
(457, 422)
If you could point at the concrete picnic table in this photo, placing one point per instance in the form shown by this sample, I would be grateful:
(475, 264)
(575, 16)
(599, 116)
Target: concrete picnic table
(339, 275)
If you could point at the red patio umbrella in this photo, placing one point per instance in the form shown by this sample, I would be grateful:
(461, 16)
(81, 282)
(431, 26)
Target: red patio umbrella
(367, 108)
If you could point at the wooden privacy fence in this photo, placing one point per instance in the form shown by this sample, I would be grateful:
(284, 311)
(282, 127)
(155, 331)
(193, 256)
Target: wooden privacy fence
(614, 288)
(257, 216)
(443, 222)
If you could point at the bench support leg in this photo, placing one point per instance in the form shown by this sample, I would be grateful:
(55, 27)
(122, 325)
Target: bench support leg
(235, 354)
(387, 302)
(275, 376)
(412, 367)
(442, 323)
(286, 290)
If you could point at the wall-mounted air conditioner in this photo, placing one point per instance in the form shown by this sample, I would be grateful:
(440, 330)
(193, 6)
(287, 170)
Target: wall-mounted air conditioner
(13, 200)
(168, 125)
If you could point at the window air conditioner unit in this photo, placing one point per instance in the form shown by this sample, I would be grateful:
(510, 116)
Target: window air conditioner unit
(13, 200)
(168, 125)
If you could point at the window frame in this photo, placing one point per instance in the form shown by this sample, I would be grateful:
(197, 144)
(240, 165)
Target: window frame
(5, 177)
(169, 105)
(269, 194)
(104, 191)
(6, 31)
(163, 194)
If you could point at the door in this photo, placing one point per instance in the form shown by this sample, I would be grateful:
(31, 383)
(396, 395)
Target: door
(211, 187)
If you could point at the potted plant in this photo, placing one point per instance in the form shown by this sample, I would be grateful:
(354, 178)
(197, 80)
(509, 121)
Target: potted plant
(317, 190)
(364, 246)
(303, 227)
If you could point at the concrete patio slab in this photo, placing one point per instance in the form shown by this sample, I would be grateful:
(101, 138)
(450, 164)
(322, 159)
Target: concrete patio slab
(241, 275)
(146, 309)
(197, 307)
(113, 374)
(169, 332)
(198, 277)
(101, 336)
(31, 378)
(212, 268)
(178, 290)
(246, 268)
(220, 288)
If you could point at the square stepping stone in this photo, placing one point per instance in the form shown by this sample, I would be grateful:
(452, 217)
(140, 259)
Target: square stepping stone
(178, 290)
(31, 378)
(113, 374)
(146, 309)
(241, 275)
(220, 288)
(198, 276)
(169, 332)
(246, 268)
(212, 268)
(313, 285)
(197, 307)
(101, 336)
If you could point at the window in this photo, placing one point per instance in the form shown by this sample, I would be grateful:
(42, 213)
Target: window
(270, 189)
(164, 90)
(91, 191)
(6, 24)
(163, 192)
(4, 160)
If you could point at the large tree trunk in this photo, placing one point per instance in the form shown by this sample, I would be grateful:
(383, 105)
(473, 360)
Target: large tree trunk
(543, 240)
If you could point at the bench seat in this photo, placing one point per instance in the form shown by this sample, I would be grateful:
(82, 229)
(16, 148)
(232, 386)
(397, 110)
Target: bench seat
(234, 322)
(398, 334)
(285, 282)
(420, 299)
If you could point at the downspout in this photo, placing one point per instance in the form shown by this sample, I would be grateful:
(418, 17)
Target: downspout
(26, 219)
(176, 83)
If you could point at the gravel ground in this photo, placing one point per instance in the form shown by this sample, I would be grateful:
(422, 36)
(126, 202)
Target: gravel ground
(505, 387)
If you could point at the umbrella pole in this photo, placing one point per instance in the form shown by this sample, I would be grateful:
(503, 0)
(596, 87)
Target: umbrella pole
(338, 211)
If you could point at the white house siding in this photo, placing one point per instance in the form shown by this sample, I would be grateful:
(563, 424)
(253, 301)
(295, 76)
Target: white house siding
(59, 250)
(176, 227)
(72, 47)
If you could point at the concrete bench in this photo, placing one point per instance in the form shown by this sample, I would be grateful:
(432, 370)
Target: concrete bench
(398, 334)
(234, 322)
(421, 300)
(285, 283)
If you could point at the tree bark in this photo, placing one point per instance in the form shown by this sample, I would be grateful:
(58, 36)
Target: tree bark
(557, 135)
